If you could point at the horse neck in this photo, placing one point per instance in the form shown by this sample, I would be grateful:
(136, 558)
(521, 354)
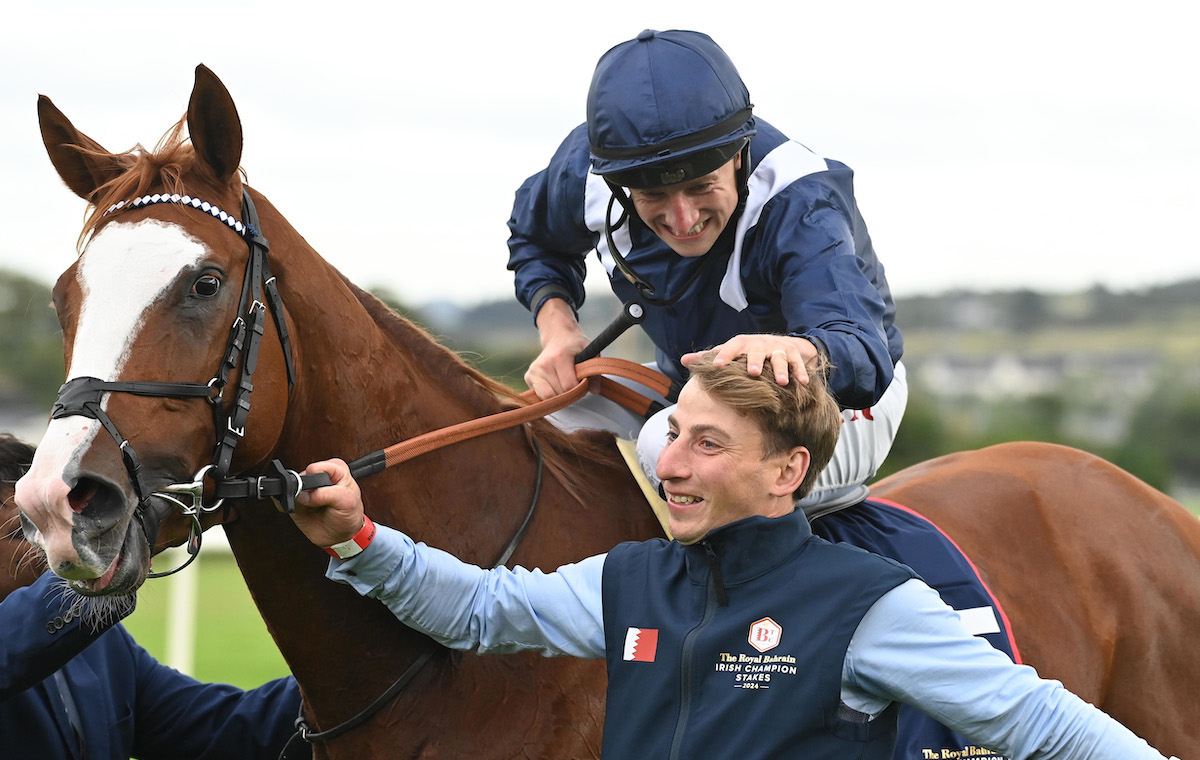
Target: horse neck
(367, 379)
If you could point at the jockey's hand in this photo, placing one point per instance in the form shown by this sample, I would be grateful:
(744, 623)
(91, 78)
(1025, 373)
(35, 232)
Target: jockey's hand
(786, 356)
(553, 371)
(331, 514)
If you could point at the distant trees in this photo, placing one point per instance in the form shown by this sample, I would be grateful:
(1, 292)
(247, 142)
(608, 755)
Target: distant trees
(1114, 373)
(1163, 443)
(31, 355)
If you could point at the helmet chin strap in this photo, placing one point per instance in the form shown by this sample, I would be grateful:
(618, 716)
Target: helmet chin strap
(629, 214)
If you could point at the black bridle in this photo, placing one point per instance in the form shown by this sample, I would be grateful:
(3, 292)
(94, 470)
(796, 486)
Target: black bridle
(83, 396)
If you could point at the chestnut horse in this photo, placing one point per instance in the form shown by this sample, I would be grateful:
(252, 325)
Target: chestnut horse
(1099, 574)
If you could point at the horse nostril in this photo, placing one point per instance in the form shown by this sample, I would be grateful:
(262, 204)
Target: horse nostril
(81, 495)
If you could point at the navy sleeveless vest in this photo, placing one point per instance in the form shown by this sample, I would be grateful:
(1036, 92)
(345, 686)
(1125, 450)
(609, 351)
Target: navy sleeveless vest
(757, 677)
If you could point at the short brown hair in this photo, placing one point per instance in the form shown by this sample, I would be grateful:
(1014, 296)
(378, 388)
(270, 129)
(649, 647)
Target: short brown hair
(796, 414)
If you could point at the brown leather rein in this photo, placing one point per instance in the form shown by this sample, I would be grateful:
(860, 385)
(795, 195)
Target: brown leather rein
(591, 374)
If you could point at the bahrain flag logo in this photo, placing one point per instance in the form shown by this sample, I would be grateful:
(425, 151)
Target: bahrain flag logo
(641, 644)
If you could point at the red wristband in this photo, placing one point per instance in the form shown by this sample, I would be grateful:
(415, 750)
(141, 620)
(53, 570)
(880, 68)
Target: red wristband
(361, 540)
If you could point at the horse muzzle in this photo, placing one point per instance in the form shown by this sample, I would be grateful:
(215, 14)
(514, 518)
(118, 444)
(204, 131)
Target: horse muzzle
(86, 529)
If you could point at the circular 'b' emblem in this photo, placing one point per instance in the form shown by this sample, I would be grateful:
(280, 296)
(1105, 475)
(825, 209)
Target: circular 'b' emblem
(764, 634)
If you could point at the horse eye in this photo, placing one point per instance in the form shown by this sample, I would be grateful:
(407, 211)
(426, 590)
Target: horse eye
(207, 286)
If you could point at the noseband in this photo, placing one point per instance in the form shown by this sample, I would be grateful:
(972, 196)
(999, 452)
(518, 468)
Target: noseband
(83, 396)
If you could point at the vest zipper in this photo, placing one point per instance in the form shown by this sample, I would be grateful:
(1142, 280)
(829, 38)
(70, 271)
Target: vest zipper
(714, 598)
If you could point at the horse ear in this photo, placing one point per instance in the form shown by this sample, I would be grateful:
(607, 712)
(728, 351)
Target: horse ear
(214, 126)
(82, 162)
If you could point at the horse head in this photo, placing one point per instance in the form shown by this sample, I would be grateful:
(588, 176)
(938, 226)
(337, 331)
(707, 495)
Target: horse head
(158, 313)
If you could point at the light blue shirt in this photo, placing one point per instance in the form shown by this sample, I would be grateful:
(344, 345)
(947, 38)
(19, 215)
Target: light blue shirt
(910, 646)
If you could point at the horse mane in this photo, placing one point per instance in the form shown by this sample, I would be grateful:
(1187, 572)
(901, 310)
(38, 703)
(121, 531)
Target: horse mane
(564, 455)
(163, 168)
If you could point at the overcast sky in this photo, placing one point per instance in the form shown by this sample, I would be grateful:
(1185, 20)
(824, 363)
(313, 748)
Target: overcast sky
(1050, 145)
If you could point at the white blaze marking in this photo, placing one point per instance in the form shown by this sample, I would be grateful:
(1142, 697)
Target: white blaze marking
(124, 271)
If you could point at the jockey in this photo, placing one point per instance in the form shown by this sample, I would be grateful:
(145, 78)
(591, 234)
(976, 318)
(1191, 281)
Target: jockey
(728, 233)
(732, 236)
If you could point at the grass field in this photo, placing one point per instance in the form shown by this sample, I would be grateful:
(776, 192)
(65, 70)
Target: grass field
(231, 642)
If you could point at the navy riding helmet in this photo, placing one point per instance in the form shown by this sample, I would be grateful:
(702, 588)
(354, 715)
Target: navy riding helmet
(664, 108)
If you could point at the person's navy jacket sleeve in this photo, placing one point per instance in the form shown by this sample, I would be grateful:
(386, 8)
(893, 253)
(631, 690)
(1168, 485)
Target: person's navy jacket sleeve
(130, 704)
(39, 634)
(548, 240)
(177, 716)
(823, 284)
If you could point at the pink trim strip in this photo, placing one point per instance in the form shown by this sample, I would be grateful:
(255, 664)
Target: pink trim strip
(996, 602)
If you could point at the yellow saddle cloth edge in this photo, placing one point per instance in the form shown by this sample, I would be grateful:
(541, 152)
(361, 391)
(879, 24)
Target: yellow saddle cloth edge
(628, 451)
